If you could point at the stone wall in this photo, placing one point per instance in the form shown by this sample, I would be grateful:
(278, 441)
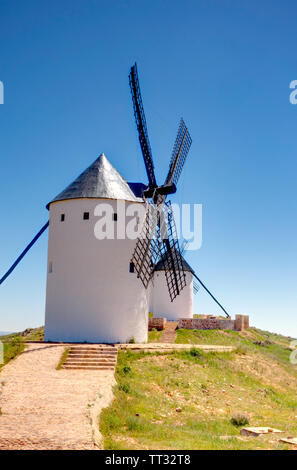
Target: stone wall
(241, 322)
(215, 323)
(157, 323)
(246, 322)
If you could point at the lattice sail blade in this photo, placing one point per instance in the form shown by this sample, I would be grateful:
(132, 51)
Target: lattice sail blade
(171, 255)
(141, 126)
(180, 152)
(147, 250)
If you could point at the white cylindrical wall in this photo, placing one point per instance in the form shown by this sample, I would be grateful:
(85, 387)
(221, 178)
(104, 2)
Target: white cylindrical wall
(91, 295)
(161, 305)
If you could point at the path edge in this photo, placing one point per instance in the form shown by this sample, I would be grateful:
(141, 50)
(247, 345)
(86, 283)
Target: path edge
(95, 410)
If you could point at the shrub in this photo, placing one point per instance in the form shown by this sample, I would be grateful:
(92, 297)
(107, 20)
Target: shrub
(239, 420)
(124, 387)
(134, 423)
(131, 340)
(195, 352)
(126, 369)
(113, 422)
(264, 343)
(241, 350)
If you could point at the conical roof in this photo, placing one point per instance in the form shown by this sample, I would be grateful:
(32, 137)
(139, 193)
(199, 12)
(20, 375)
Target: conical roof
(99, 180)
(160, 266)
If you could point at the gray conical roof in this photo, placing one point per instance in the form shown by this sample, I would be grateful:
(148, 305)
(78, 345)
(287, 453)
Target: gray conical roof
(160, 266)
(100, 180)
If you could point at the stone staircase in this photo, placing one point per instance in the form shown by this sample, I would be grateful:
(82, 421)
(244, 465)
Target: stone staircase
(169, 333)
(91, 357)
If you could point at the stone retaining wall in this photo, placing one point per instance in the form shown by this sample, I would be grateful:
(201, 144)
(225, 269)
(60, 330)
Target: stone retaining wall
(215, 323)
(241, 322)
(157, 323)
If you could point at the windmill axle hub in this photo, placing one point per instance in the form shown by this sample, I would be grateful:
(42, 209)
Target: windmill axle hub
(163, 190)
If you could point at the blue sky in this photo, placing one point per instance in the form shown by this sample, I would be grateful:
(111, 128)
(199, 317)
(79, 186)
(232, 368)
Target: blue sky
(225, 66)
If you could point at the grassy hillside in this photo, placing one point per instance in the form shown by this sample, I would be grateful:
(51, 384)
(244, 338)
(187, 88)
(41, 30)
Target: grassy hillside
(186, 400)
(14, 343)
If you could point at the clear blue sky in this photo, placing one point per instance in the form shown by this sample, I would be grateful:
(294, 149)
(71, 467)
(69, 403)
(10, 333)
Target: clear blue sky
(224, 65)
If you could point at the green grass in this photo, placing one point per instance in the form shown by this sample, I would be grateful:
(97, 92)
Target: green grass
(63, 358)
(210, 388)
(12, 348)
(154, 336)
(278, 349)
(30, 334)
(13, 344)
(36, 334)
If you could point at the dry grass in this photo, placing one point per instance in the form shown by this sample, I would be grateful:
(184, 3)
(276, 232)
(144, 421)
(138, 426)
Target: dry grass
(255, 381)
(154, 336)
(63, 358)
(13, 344)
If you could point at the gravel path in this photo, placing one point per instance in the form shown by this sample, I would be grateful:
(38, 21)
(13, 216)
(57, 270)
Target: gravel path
(45, 408)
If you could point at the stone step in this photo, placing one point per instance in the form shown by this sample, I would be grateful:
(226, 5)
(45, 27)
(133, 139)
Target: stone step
(169, 333)
(92, 356)
(85, 348)
(90, 361)
(93, 353)
(92, 364)
(83, 363)
(88, 367)
(95, 361)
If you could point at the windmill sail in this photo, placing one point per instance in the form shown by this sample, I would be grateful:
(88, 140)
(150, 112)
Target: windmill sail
(158, 239)
(147, 250)
(141, 126)
(158, 242)
(180, 152)
(171, 255)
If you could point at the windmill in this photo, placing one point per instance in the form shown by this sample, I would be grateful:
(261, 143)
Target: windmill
(158, 238)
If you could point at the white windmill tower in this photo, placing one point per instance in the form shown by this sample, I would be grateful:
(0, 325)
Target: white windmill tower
(91, 294)
(160, 302)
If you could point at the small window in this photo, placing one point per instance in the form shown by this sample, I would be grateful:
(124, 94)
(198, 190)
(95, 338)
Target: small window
(62, 217)
(138, 220)
(114, 216)
(131, 268)
(50, 267)
(86, 215)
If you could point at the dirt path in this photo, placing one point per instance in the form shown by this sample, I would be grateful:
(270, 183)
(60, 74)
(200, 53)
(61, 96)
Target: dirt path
(163, 347)
(45, 408)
